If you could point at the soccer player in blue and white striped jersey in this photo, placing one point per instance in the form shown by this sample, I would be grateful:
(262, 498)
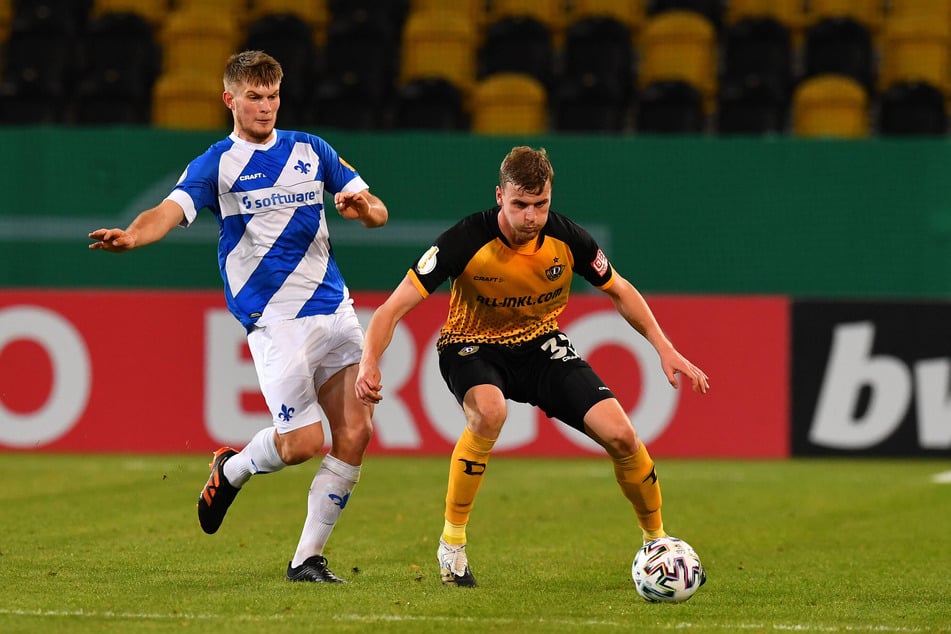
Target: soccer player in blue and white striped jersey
(265, 187)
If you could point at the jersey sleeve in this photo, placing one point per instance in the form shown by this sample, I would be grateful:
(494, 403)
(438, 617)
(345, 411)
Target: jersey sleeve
(449, 254)
(339, 175)
(197, 187)
(590, 262)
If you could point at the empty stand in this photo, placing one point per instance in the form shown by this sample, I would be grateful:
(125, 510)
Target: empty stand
(152, 10)
(758, 49)
(712, 10)
(315, 13)
(630, 13)
(598, 52)
(588, 103)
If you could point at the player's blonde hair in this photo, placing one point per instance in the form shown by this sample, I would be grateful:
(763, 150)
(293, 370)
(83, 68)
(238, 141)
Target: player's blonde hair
(526, 168)
(252, 68)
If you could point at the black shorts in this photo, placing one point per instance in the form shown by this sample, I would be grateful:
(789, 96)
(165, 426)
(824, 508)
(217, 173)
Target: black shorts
(545, 372)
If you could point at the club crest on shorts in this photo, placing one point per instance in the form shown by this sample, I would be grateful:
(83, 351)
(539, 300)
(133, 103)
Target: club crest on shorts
(467, 350)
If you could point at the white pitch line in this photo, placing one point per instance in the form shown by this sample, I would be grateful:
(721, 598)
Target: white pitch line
(514, 621)
(942, 478)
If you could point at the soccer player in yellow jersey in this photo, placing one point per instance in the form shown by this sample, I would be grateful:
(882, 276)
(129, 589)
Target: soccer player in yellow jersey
(511, 268)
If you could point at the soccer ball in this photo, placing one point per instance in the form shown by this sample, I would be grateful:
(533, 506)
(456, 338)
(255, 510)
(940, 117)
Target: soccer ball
(667, 570)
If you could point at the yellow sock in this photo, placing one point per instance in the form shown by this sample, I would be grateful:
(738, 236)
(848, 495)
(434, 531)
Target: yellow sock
(466, 470)
(638, 480)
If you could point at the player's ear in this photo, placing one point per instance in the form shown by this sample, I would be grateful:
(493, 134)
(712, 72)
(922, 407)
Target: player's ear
(498, 195)
(228, 98)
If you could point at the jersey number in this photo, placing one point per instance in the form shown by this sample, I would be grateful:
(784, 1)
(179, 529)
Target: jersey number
(559, 346)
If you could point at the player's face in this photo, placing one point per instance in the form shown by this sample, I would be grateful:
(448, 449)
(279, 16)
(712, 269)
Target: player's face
(523, 214)
(255, 111)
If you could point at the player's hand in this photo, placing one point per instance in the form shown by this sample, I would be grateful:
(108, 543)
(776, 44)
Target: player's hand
(368, 384)
(352, 205)
(674, 363)
(112, 240)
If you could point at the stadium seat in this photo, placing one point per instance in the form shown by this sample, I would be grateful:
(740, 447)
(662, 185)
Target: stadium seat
(588, 103)
(517, 44)
(599, 46)
(830, 106)
(939, 10)
(679, 46)
(712, 10)
(842, 46)
(439, 44)
(869, 13)
(670, 107)
(752, 105)
(394, 12)
(630, 13)
(199, 38)
(509, 103)
(475, 11)
(6, 19)
(152, 10)
(120, 61)
(791, 13)
(429, 104)
(912, 109)
(314, 12)
(345, 103)
(551, 13)
(64, 16)
(39, 64)
(759, 48)
(916, 48)
(189, 100)
(363, 48)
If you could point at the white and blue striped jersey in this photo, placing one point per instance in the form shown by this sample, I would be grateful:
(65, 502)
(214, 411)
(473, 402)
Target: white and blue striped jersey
(273, 244)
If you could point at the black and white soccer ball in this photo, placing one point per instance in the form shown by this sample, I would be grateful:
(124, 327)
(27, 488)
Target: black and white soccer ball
(667, 570)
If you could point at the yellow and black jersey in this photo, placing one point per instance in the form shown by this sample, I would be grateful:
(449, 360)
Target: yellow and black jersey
(502, 294)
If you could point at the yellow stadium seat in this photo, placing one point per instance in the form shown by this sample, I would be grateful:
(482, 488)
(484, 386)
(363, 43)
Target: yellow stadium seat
(934, 9)
(439, 44)
(916, 48)
(509, 103)
(830, 106)
(198, 38)
(189, 101)
(6, 18)
(154, 11)
(630, 13)
(679, 46)
(871, 13)
(474, 10)
(314, 12)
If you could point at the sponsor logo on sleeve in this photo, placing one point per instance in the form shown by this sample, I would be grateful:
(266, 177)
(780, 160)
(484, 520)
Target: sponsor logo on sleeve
(600, 263)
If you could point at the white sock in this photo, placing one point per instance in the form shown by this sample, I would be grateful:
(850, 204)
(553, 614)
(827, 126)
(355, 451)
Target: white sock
(258, 456)
(329, 493)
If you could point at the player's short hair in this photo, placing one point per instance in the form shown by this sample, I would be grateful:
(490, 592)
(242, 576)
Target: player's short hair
(253, 68)
(526, 168)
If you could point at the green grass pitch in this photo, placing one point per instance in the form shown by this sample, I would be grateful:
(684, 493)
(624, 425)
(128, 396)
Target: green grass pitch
(112, 544)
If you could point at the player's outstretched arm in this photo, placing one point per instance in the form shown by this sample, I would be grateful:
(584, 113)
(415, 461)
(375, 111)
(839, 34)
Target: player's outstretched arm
(633, 307)
(379, 334)
(362, 206)
(149, 226)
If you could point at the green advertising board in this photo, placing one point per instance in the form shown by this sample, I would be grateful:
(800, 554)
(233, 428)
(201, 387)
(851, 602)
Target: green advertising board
(869, 218)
